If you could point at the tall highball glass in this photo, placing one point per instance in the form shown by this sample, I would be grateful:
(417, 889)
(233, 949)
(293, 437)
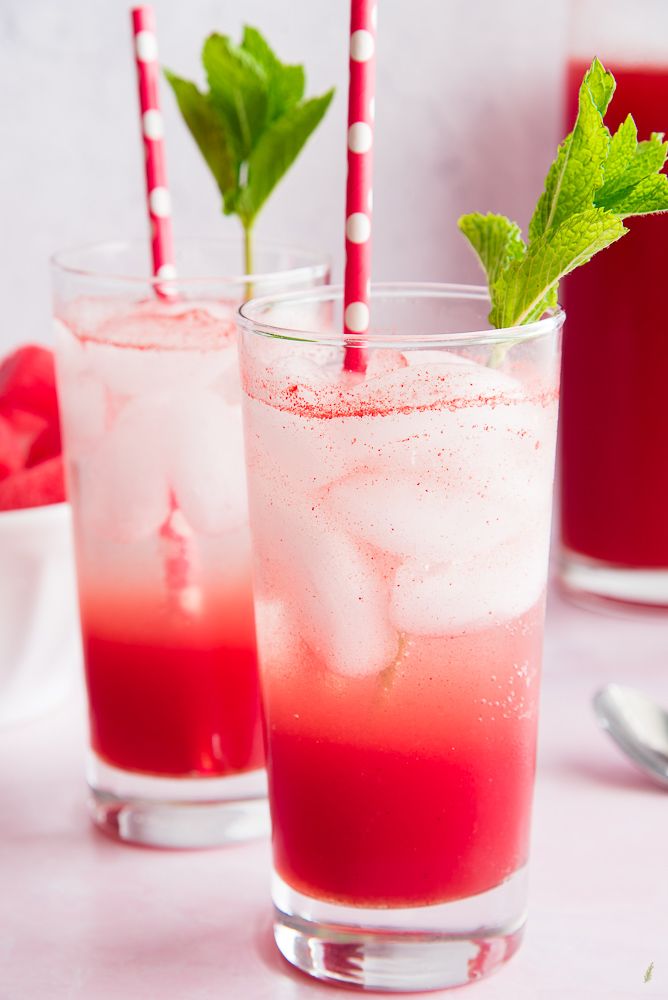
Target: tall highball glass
(400, 524)
(149, 389)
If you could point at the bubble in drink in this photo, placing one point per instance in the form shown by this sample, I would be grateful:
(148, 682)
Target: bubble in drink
(400, 523)
(205, 461)
(486, 588)
(123, 481)
(154, 444)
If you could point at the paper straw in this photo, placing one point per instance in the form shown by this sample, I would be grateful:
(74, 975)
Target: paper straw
(157, 191)
(173, 540)
(360, 169)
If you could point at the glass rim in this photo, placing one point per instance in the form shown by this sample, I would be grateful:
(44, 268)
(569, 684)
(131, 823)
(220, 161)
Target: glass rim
(392, 289)
(313, 265)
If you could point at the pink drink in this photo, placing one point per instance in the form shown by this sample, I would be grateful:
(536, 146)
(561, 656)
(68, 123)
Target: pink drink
(400, 524)
(400, 790)
(174, 693)
(149, 386)
(150, 402)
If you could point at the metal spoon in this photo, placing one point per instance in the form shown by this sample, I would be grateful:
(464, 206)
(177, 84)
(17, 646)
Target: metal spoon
(637, 725)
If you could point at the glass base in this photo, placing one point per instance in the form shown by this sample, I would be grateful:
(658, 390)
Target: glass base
(401, 950)
(593, 580)
(177, 812)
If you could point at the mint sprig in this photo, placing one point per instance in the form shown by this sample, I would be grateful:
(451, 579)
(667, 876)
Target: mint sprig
(251, 124)
(596, 181)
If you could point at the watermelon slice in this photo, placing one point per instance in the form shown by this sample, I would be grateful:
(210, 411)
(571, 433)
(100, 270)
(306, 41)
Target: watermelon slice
(45, 446)
(11, 450)
(42, 484)
(31, 469)
(26, 427)
(28, 382)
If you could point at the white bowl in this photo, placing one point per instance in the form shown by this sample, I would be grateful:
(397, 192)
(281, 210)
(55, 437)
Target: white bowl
(40, 650)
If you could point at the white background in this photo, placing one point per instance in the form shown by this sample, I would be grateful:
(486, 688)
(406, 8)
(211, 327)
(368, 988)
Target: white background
(468, 115)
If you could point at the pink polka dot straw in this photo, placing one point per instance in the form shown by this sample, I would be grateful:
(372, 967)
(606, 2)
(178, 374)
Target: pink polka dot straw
(360, 171)
(157, 192)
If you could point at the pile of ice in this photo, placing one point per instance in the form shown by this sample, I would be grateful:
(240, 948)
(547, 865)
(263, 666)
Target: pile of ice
(153, 419)
(430, 521)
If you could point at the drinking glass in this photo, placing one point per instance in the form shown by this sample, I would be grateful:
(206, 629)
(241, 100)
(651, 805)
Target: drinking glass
(614, 410)
(400, 524)
(150, 402)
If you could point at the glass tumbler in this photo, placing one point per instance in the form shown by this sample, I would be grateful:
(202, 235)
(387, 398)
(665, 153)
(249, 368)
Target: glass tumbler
(150, 400)
(400, 524)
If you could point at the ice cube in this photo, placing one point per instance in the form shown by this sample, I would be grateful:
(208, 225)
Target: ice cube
(334, 595)
(458, 420)
(128, 371)
(276, 635)
(432, 357)
(304, 451)
(83, 413)
(122, 484)
(227, 382)
(341, 603)
(84, 315)
(435, 518)
(485, 589)
(153, 343)
(205, 461)
(502, 443)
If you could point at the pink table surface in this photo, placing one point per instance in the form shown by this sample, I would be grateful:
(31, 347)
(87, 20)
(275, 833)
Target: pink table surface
(83, 917)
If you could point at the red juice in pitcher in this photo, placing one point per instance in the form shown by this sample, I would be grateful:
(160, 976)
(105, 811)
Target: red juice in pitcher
(614, 405)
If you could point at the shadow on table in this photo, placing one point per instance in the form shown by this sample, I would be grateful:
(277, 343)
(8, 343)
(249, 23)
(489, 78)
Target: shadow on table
(614, 773)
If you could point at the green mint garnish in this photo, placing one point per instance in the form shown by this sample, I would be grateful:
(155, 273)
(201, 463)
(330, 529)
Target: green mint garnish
(251, 124)
(596, 181)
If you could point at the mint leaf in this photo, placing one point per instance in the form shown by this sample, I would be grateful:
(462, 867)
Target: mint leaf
(631, 185)
(251, 124)
(286, 83)
(239, 91)
(519, 293)
(648, 196)
(600, 84)
(276, 150)
(578, 169)
(622, 150)
(202, 120)
(495, 239)
(596, 181)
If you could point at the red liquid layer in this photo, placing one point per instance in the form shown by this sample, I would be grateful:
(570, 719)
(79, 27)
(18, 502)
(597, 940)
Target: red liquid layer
(411, 788)
(614, 398)
(172, 694)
